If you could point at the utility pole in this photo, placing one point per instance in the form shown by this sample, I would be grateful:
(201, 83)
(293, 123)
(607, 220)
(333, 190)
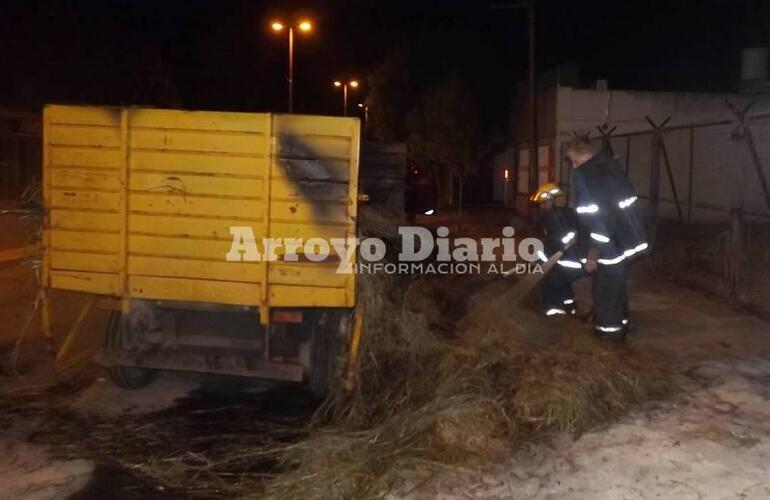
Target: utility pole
(534, 163)
(291, 70)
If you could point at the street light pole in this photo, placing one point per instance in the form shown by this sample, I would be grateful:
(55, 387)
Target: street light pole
(345, 100)
(303, 26)
(365, 108)
(291, 70)
(344, 86)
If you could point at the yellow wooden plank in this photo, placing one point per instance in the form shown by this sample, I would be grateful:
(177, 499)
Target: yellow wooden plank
(289, 169)
(192, 185)
(355, 146)
(82, 135)
(179, 161)
(85, 241)
(264, 305)
(85, 179)
(198, 269)
(84, 157)
(210, 142)
(310, 274)
(105, 284)
(311, 147)
(186, 227)
(197, 120)
(179, 247)
(91, 200)
(83, 115)
(313, 125)
(74, 219)
(307, 296)
(190, 205)
(82, 261)
(307, 231)
(217, 292)
(285, 189)
(304, 211)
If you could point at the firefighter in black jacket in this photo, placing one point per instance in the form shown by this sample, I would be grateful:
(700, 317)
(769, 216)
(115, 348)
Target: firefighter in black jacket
(559, 226)
(608, 211)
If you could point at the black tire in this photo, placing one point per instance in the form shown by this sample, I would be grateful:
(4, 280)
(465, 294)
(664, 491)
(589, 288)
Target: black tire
(324, 355)
(125, 377)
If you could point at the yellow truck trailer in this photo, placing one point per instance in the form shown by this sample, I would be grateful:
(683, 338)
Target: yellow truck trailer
(140, 206)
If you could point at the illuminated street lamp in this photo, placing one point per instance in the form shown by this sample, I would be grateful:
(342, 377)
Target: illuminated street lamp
(304, 26)
(353, 84)
(365, 109)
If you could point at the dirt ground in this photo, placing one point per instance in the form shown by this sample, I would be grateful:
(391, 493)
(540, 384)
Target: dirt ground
(711, 440)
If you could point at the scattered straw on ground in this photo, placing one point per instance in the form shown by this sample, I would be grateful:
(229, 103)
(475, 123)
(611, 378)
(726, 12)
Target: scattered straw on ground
(428, 398)
(434, 390)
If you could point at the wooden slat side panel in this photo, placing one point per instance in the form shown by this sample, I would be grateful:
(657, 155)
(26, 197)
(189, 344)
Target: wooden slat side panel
(307, 231)
(157, 246)
(85, 261)
(192, 176)
(83, 115)
(195, 185)
(82, 193)
(299, 273)
(96, 158)
(83, 241)
(79, 199)
(194, 206)
(99, 283)
(74, 178)
(302, 169)
(316, 148)
(91, 221)
(187, 227)
(326, 126)
(304, 212)
(99, 136)
(211, 164)
(196, 120)
(247, 272)
(309, 191)
(216, 292)
(314, 160)
(226, 143)
(355, 154)
(308, 296)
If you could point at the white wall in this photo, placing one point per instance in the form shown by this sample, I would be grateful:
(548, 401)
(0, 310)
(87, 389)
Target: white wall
(582, 110)
(717, 162)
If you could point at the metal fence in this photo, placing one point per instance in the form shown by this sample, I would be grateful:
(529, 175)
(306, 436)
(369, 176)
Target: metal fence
(706, 190)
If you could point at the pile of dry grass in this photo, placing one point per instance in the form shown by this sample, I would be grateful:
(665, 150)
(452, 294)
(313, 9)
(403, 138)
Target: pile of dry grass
(450, 377)
(435, 389)
(430, 397)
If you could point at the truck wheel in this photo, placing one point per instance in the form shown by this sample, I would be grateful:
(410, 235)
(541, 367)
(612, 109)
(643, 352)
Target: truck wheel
(125, 377)
(324, 354)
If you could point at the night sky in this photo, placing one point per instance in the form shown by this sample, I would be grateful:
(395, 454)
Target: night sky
(220, 54)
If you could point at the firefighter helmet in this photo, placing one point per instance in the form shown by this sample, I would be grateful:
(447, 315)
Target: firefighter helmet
(547, 191)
